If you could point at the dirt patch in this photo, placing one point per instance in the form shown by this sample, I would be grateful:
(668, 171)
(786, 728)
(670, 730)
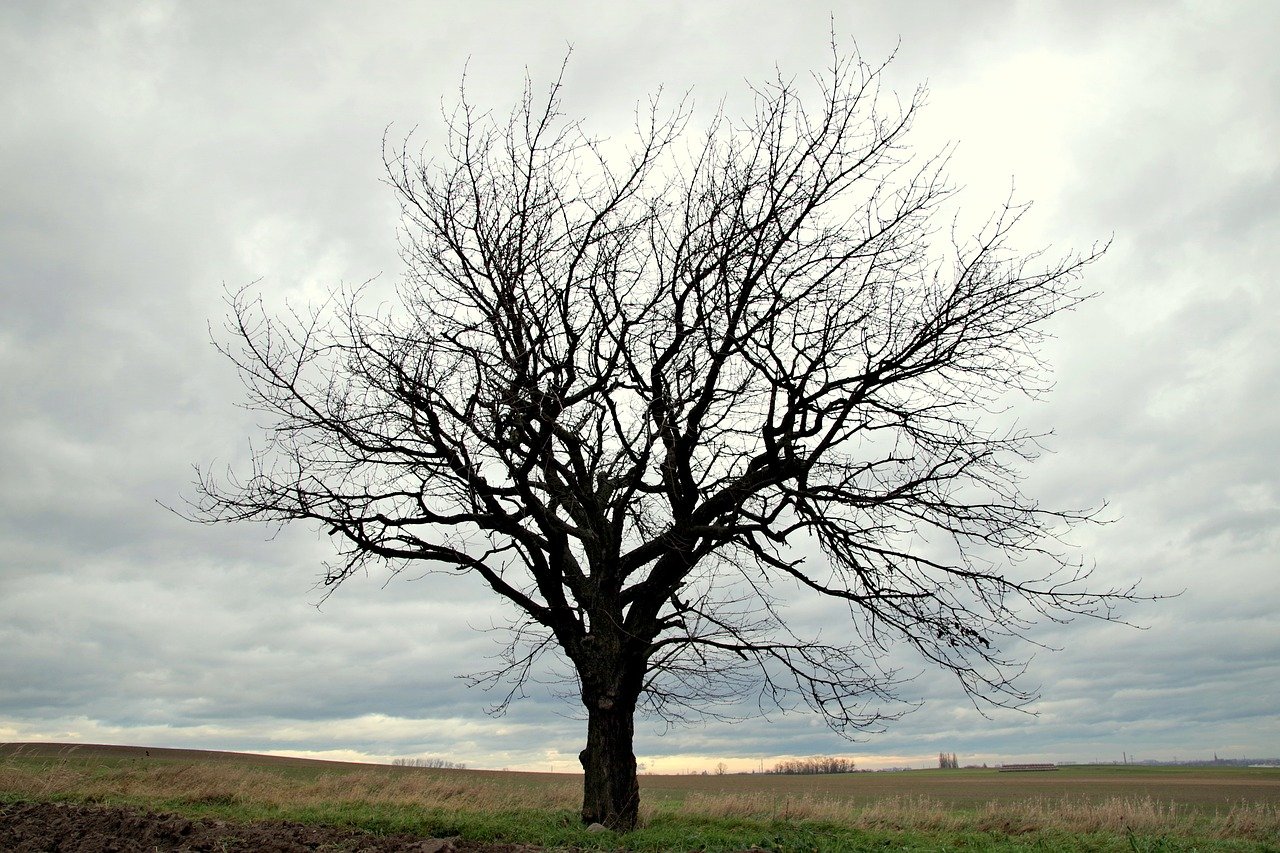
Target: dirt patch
(73, 828)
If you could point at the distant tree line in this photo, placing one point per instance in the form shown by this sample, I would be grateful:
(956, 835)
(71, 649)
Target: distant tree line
(814, 765)
(433, 763)
(947, 761)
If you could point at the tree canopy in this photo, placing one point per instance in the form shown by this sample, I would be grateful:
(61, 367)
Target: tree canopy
(648, 393)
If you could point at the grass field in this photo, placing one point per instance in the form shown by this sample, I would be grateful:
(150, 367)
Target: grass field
(1075, 808)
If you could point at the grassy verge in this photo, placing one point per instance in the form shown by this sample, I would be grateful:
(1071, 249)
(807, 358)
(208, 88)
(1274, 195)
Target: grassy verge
(512, 808)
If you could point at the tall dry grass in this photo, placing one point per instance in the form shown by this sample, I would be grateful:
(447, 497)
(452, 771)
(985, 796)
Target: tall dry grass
(463, 791)
(1121, 815)
(210, 783)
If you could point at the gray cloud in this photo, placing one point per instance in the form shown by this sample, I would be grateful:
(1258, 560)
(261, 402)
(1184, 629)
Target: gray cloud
(154, 152)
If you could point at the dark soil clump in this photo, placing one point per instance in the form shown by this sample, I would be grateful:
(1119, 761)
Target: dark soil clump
(75, 828)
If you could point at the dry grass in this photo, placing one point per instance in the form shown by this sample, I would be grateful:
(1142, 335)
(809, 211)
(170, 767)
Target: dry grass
(205, 783)
(1121, 815)
(294, 785)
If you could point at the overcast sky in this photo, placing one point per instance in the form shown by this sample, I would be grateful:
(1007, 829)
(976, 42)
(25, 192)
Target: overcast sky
(154, 152)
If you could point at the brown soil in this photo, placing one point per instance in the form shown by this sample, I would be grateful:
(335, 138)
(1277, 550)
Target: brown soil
(73, 828)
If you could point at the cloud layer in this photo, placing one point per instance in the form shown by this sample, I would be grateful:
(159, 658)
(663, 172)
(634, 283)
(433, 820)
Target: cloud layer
(157, 151)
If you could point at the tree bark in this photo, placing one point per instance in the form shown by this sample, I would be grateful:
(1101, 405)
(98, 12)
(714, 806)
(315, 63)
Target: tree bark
(611, 792)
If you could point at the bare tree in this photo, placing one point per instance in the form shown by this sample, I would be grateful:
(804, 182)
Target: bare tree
(637, 392)
(431, 763)
(814, 765)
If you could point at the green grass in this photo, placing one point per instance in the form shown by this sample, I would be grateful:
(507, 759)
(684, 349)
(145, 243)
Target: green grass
(1075, 809)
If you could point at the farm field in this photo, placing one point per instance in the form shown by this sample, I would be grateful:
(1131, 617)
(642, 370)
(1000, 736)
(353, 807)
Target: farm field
(1187, 787)
(1076, 808)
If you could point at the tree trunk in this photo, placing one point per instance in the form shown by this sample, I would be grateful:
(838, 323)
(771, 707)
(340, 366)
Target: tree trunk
(610, 793)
